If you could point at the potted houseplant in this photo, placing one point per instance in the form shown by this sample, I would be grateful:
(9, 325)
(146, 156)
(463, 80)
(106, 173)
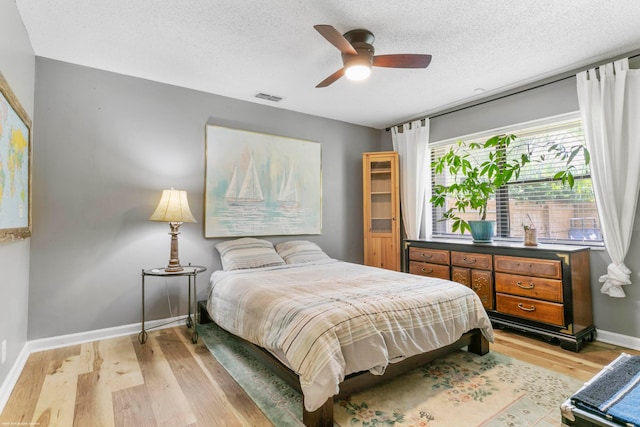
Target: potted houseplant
(476, 181)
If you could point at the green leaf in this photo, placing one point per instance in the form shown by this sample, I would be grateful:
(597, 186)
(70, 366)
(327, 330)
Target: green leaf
(492, 142)
(573, 154)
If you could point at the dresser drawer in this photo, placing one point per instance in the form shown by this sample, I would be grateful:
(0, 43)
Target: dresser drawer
(528, 266)
(427, 269)
(532, 309)
(471, 260)
(434, 256)
(529, 286)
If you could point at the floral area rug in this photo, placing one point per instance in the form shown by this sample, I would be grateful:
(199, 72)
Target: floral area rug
(461, 389)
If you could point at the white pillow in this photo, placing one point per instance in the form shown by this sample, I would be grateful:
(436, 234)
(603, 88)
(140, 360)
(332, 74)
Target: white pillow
(300, 251)
(248, 253)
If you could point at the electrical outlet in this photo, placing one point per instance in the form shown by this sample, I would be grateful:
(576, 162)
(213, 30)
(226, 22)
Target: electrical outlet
(4, 350)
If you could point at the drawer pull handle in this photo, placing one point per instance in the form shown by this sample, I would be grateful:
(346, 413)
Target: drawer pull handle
(469, 260)
(523, 308)
(423, 255)
(429, 271)
(530, 266)
(531, 285)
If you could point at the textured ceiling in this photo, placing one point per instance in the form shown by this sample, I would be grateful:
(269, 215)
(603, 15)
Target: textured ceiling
(237, 48)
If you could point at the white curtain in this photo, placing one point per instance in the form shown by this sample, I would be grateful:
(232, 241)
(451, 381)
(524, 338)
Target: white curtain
(610, 109)
(412, 146)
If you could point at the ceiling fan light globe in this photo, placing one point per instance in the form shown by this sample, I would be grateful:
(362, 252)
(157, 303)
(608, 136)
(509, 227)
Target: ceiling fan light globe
(358, 72)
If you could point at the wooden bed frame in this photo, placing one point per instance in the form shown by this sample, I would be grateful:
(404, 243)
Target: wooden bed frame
(323, 416)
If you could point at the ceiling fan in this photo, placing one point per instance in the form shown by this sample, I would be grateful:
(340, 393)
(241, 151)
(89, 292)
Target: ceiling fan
(358, 55)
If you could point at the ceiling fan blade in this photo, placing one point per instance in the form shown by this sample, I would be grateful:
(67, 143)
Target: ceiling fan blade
(402, 60)
(332, 78)
(336, 39)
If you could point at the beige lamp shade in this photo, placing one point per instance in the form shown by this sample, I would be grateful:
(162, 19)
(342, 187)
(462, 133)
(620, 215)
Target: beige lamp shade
(173, 207)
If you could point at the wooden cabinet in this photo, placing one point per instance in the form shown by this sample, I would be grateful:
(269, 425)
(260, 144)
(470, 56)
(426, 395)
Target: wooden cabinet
(544, 290)
(381, 208)
(474, 270)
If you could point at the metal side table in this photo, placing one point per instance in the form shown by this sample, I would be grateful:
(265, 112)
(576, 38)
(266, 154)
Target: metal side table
(191, 271)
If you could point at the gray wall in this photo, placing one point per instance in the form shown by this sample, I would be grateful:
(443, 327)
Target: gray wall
(17, 64)
(105, 147)
(616, 315)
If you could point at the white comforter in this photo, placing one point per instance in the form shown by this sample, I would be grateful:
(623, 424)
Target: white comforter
(330, 318)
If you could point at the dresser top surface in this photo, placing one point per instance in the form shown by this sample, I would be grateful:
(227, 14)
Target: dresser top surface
(469, 245)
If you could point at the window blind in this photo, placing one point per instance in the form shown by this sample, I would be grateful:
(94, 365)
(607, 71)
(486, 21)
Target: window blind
(537, 197)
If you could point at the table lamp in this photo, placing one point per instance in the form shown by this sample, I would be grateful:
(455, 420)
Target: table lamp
(174, 209)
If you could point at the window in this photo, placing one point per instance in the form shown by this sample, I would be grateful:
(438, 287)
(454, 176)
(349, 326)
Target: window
(561, 214)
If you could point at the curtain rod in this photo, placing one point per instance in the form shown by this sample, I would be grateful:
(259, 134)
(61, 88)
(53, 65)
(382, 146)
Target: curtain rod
(531, 86)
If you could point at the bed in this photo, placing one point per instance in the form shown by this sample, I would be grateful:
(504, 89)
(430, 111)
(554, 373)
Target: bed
(334, 325)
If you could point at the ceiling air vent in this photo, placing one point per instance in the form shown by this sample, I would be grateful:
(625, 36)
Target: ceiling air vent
(267, 97)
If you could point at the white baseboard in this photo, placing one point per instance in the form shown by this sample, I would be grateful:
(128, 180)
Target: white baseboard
(72, 339)
(618, 339)
(98, 334)
(12, 378)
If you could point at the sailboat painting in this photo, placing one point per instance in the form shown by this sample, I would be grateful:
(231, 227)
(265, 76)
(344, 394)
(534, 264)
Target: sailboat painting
(288, 194)
(249, 192)
(261, 185)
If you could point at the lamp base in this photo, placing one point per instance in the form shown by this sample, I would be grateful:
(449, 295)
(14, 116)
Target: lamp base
(173, 268)
(174, 261)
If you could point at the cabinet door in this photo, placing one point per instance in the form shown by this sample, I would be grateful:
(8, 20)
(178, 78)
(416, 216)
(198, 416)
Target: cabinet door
(461, 275)
(381, 210)
(481, 281)
(482, 284)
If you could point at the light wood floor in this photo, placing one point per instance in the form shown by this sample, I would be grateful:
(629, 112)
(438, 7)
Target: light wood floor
(171, 382)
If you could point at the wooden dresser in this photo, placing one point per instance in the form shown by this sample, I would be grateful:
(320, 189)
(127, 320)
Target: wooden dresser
(544, 289)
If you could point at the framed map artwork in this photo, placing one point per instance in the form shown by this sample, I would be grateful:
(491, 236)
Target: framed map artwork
(261, 185)
(15, 166)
